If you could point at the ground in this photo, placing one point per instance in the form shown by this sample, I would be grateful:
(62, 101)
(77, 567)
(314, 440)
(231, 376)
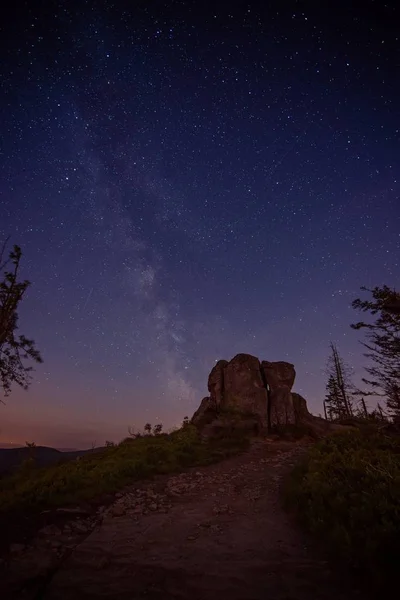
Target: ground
(214, 532)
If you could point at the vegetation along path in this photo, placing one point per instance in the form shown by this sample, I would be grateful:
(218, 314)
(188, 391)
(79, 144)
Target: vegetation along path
(212, 532)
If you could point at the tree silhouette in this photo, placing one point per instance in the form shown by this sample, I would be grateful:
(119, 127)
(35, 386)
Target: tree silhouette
(339, 387)
(333, 404)
(14, 349)
(383, 344)
(157, 429)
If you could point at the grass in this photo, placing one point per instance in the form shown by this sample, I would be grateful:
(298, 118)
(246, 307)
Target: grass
(109, 470)
(347, 491)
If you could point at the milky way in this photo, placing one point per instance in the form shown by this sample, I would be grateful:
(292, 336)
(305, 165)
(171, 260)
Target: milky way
(186, 184)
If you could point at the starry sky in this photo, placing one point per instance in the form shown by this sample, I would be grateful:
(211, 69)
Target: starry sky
(188, 181)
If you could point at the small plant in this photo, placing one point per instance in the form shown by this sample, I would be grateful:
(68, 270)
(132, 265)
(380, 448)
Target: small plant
(109, 444)
(30, 462)
(157, 429)
(133, 434)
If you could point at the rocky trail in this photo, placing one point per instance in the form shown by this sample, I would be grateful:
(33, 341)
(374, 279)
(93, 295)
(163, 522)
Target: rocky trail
(210, 533)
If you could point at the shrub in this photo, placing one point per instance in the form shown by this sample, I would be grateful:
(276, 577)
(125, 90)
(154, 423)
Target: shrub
(111, 468)
(348, 491)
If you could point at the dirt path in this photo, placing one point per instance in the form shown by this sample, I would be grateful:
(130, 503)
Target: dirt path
(213, 533)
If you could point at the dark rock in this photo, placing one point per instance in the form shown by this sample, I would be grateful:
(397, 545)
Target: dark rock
(205, 413)
(244, 388)
(279, 377)
(81, 526)
(249, 395)
(281, 408)
(118, 510)
(74, 510)
(300, 407)
(278, 374)
(225, 423)
(216, 383)
(50, 530)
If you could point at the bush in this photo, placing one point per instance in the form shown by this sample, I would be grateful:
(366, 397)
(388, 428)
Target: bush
(111, 468)
(348, 491)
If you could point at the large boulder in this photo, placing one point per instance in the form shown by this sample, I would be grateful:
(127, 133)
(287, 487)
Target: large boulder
(279, 377)
(244, 389)
(216, 382)
(278, 374)
(205, 413)
(257, 394)
(281, 411)
(228, 423)
(300, 408)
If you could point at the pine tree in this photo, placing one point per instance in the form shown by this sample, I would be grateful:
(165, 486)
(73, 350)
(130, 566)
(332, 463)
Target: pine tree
(339, 386)
(14, 349)
(335, 408)
(382, 345)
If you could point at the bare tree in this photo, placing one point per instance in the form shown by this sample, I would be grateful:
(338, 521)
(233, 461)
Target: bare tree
(339, 387)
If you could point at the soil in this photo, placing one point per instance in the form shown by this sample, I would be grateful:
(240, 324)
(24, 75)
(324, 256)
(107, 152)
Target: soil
(217, 532)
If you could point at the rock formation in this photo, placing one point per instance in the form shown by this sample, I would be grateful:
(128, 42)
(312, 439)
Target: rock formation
(216, 382)
(244, 389)
(279, 377)
(259, 391)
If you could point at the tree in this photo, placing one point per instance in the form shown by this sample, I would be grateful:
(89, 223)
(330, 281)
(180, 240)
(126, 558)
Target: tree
(333, 403)
(133, 434)
(157, 429)
(364, 408)
(14, 349)
(339, 387)
(147, 429)
(383, 344)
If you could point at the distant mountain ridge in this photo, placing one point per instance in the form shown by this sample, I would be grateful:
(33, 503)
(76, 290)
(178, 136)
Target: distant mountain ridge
(11, 458)
(8, 445)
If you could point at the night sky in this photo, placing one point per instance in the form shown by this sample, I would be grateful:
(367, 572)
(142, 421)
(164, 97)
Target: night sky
(189, 181)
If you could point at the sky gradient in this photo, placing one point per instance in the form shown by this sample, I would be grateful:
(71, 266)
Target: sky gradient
(186, 184)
